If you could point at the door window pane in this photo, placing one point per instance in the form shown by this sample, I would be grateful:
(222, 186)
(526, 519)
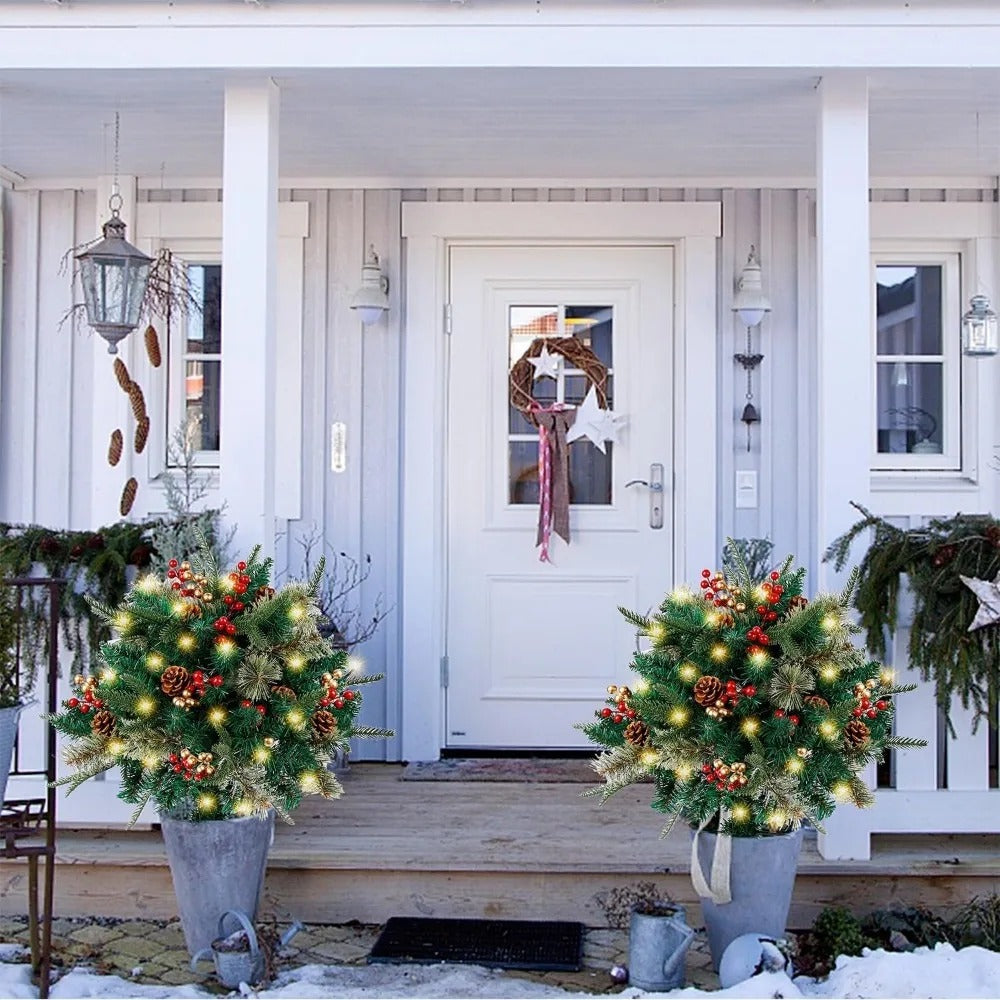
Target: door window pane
(590, 471)
(201, 392)
(910, 407)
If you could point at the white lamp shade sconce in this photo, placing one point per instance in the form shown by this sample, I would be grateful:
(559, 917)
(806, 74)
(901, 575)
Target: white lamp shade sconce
(751, 305)
(979, 328)
(371, 300)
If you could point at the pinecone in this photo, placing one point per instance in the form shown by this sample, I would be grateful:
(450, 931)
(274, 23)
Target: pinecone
(121, 373)
(707, 690)
(944, 555)
(637, 733)
(325, 724)
(138, 401)
(283, 691)
(141, 435)
(115, 447)
(128, 496)
(815, 701)
(103, 723)
(856, 734)
(153, 347)
(173, 681)
(797, 602)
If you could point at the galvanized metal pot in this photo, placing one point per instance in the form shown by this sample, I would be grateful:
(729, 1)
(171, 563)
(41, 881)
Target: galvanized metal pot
(216, 866)
(657, 948)
(761, 879)
(8, 733)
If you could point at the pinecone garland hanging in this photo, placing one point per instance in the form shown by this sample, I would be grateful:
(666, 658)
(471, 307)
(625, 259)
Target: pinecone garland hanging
(141, 435)
(115, 446)
(173, 681)
(324, 723)
(103, 723)
(153, 346)
(637, 733)
(856, 735)
(121, 373)
(707, 690)
(138, 401)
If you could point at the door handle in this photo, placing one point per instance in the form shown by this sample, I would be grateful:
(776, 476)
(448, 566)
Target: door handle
(655, 486)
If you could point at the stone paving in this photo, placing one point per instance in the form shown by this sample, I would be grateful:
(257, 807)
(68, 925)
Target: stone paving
(152, 951)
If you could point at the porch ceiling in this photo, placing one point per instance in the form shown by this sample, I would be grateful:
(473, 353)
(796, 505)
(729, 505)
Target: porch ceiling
(412, 126)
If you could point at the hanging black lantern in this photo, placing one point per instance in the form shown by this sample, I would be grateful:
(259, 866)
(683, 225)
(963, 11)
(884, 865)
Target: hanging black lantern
(114, 275)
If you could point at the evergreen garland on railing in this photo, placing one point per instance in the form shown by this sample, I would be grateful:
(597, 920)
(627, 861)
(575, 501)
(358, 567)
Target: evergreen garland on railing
(933, 557)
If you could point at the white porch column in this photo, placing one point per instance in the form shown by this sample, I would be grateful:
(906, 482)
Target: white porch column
(110, 406)
(844, 310)
(249, 289)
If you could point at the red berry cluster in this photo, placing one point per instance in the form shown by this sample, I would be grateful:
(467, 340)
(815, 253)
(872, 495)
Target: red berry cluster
(87, 686)
(224, 626)
(780, 713)
(233, 604)
(865, 706)
(773, 590)
(725, 777)
(193, 767)
(622, 711)
(261, 709)
(338, 699)
(758, 636)
(240, 580)
(182, 577)
(716, 589)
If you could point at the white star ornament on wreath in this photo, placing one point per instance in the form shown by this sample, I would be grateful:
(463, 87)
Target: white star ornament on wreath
(988, 592)
(546, 365)
(594, 423)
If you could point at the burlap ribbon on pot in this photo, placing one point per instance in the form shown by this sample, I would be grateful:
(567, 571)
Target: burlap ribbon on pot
(717, 889)
(553, 473)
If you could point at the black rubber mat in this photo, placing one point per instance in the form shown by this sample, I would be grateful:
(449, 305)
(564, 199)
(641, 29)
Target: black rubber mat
(502, 944)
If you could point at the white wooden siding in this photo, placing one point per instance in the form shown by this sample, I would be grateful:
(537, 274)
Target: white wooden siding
(352, 375)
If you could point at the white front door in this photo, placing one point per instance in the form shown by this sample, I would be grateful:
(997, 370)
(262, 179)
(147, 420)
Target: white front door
(532, 646)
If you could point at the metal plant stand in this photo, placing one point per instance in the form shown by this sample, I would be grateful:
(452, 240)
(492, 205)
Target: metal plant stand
(28, 826)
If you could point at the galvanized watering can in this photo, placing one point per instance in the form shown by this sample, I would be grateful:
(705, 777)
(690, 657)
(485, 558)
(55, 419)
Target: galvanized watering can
(657, 947)
(235, 967)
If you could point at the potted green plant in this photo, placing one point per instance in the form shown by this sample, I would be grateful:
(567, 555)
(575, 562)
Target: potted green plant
(12, 694)
(753, 712)
(223, 705)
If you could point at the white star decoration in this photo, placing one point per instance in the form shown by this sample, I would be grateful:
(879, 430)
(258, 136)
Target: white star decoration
(546, 365)
(988, 592)
(593, 423)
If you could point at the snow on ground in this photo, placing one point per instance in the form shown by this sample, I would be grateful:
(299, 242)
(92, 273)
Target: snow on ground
(925, 973)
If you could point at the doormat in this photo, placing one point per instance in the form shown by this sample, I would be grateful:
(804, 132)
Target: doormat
(500, 944)
(520, 769)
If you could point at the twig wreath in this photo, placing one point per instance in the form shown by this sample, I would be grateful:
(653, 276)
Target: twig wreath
(577, 355)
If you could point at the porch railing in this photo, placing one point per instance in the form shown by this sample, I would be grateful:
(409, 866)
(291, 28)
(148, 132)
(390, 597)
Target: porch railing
(945, 788)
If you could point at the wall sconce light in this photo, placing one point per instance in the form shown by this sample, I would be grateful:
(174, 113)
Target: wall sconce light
(751, 305)
(372, 298)
(979, 328)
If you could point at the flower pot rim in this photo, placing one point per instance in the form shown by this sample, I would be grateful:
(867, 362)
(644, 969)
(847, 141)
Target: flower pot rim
(751, 836)
(667, 910)
(225, 819)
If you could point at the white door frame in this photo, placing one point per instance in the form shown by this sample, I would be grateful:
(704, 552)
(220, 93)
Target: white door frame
(428, 228)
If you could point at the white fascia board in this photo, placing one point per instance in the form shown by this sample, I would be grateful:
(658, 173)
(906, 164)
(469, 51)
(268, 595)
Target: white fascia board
(273, 47)
(166, 220)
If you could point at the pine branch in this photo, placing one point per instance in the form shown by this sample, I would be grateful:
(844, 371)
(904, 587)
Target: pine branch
(735, 558)
(371, 733)
(903, 743)
(641, 622)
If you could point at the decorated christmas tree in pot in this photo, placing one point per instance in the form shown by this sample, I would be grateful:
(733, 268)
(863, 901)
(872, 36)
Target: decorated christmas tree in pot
(753, 711)
(222, 705)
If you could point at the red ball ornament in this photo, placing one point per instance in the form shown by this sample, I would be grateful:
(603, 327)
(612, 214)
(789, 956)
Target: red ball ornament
(245, 704)
(793, 719)
(706, 573)
(73, 702)
(605, 713)
(630, 713)
(704, 584)
(856, 712)
(238, 606)
(85, 708)
(749, 690)
(775, 575)
(617, 718)
(262, 709)
(171, 574)
(215, 680)
(779, 713)
(709, 596)
(871, 713)
(881, 705)
(339, 703)
(349, 695)
(175, 585)
(177, 769)
(241, 565)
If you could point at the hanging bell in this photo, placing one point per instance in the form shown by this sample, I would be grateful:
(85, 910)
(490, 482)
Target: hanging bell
(750, 417)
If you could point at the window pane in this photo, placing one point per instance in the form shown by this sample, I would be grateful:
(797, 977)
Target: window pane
(524, 472)
(908, 301)
(201, 392)
(589, 473)
(910, 408)
(204, 325)
(592, 325)
(528, 322)
(544, 390)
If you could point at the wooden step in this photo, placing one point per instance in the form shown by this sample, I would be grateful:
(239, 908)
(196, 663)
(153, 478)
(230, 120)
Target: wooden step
(483, 849)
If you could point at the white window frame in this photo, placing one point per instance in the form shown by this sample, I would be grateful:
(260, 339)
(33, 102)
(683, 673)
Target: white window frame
(954, 417)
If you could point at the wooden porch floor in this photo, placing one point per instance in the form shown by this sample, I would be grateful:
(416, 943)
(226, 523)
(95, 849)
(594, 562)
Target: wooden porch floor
(530, 851)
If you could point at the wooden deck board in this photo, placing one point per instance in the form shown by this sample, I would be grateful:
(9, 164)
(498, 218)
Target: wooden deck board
(392, 847)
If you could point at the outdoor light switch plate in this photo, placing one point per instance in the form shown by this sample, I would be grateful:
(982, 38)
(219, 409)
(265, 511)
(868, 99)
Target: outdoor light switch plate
(746, 488)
